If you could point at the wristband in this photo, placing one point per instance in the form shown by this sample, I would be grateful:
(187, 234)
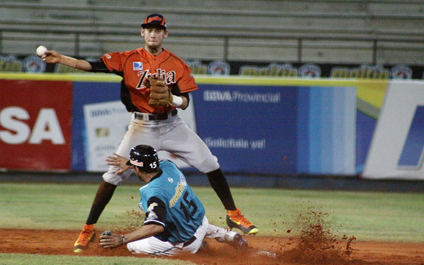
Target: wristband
(177, 101)
(123, 239)
(68, 61)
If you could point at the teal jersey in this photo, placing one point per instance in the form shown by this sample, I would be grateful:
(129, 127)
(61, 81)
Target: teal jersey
(169, 201)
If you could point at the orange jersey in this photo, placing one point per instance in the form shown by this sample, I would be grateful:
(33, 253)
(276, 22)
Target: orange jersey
(137, 65)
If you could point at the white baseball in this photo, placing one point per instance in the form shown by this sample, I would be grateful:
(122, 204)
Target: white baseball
(40, 50)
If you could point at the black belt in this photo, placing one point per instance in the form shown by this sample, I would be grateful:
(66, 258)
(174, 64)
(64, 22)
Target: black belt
(155, 117)
(188, 242)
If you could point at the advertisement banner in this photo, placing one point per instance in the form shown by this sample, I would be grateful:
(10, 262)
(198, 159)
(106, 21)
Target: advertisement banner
(285, 129)
(249, 128)
(252, 125)
(100, 121)
(397, 147)
(35, 124)
(91, 93)
(265, 128)
(326, 123)
(105, 125)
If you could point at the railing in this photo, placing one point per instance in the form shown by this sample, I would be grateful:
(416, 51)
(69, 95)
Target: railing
(372, 43)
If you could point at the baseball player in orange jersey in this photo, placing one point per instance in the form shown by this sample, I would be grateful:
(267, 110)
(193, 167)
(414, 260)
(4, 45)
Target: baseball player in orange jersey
(152, 123)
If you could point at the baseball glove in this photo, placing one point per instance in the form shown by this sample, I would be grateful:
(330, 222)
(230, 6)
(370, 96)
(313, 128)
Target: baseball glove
(160, 95)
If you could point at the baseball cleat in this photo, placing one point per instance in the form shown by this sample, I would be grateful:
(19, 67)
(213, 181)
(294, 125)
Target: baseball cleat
(236, 240)
(87, 235)
(240, 243)
(236, 220)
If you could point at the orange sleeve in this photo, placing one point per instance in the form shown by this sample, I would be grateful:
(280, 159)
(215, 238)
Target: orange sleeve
(187, 83)
(114, 61)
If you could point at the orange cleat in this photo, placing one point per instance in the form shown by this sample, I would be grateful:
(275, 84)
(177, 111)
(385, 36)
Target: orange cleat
(236, 220)
(87, 235)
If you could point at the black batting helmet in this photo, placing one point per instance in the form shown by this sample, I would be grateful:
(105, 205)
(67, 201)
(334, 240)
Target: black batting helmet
(144, 157)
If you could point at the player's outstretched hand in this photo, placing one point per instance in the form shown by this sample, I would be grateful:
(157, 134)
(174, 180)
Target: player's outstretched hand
(119, 161)
(110, 240)
(51, 56)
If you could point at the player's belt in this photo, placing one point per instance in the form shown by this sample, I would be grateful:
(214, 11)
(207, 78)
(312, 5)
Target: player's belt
(188, 242)
(155, 116)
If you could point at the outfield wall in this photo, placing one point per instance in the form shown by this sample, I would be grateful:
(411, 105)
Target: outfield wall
(372, 128)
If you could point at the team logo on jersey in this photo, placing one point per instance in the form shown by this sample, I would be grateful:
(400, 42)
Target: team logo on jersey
(151, 206)
(179, 189)
(169, 77)
(137, 66)
(151, 215)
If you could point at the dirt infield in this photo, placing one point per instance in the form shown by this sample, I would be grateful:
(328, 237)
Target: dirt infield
(262, 250)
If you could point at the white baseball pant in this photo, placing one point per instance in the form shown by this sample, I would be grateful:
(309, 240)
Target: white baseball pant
(172, 135)
(154, 246)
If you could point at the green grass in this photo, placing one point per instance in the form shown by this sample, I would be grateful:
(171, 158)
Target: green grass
(366, 215)
(19, 259)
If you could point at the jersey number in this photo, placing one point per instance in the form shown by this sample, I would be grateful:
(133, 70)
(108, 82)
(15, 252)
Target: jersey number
(185, 207)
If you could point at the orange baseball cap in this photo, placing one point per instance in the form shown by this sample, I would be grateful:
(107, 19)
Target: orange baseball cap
(154, 20)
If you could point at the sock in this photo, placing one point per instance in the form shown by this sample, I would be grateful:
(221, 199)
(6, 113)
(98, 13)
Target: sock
(220, 185)
(103, 196)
